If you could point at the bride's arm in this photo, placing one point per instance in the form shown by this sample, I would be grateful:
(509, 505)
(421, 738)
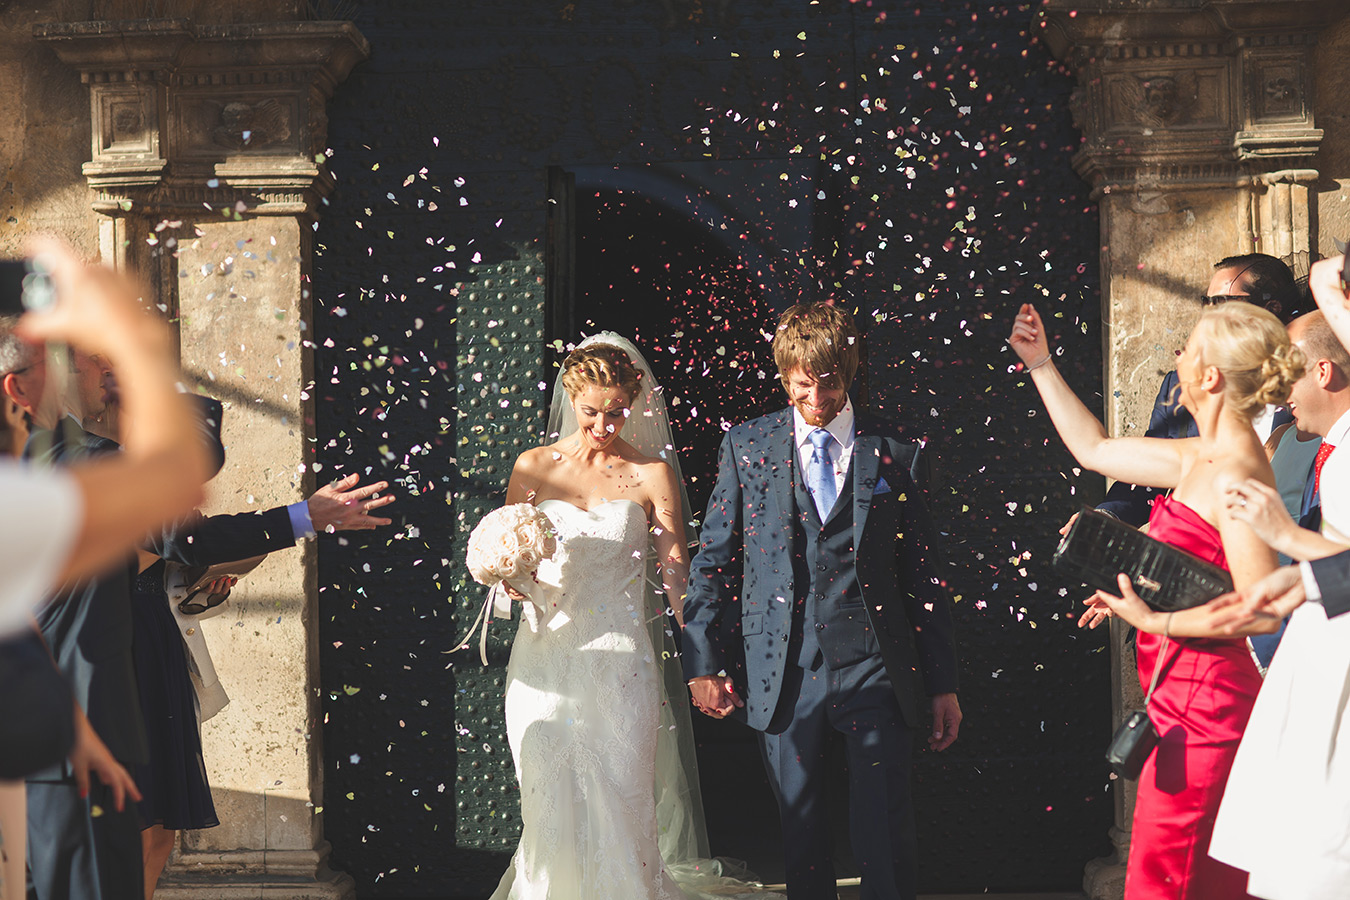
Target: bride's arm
(668, 537)
(1155, 462)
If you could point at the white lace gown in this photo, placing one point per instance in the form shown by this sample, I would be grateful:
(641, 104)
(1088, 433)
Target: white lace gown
(582, 705)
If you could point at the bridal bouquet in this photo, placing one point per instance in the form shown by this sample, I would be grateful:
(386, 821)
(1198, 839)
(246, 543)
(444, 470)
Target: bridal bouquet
(506, 547)
(509, 544)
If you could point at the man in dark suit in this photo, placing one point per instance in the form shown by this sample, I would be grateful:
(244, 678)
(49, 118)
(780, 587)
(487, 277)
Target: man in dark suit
(1249, 278)
(814, 607)
(89, 845)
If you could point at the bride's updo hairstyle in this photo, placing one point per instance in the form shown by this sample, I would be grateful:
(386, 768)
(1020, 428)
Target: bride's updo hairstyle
(1251, 348)
(601, 365)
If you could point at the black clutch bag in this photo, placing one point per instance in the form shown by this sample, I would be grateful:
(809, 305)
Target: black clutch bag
(1097, 547)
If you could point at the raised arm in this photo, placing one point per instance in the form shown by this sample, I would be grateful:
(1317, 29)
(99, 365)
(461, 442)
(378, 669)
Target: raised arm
(1149, 461)
(668, 535)
(1326, 281)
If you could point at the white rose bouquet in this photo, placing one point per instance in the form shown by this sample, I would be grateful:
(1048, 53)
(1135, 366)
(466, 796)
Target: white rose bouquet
(507, 547)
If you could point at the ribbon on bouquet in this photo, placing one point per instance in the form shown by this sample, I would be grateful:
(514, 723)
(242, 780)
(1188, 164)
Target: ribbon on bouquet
(484, 618)
(498, 601)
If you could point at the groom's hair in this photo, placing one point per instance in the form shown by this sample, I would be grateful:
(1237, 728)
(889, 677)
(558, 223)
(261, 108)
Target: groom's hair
(821, 339)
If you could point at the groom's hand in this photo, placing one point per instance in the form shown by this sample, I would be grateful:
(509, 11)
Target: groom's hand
(715, 695)
(946, 721)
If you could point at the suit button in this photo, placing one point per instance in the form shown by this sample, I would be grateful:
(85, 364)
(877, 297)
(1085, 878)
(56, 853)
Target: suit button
(820, 626)
(191, 631)
(820, 567)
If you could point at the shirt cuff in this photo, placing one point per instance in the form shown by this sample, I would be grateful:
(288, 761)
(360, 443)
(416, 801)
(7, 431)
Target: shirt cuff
(1310, 588)
(302, 526)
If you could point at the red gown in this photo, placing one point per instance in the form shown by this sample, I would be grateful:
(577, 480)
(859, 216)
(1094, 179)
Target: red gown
(1204, 696)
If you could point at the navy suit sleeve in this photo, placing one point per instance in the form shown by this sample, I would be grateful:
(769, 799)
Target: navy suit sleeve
(927, 604)
(714, 574)
(218, 539)
(1333, 580)
(1132, 503)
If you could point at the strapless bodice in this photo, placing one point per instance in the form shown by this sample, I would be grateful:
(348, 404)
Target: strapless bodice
(1175, 523)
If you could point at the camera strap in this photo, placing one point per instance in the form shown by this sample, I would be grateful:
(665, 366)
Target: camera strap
(1157, 668)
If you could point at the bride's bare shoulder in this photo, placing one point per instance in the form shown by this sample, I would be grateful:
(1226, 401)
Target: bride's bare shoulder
(652, 469)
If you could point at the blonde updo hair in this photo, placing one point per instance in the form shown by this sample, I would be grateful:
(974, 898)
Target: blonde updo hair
(601, 365)
(1251, 348)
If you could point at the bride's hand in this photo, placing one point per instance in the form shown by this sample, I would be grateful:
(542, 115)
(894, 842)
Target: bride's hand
(513, 593)
(1028, 338)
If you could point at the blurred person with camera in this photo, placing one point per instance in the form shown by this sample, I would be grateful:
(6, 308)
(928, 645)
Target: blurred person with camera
(77, 522)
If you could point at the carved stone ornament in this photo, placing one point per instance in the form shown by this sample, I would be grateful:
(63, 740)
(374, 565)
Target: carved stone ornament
(255, 126)
(1161, 101)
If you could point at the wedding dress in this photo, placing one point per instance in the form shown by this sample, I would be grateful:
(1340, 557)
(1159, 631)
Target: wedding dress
(597, 714)
(581, 717)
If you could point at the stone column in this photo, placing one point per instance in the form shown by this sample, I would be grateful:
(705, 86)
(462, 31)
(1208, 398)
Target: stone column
(1199, 143)
(207, 161)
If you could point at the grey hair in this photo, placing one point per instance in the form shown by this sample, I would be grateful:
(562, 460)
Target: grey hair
(14, 353)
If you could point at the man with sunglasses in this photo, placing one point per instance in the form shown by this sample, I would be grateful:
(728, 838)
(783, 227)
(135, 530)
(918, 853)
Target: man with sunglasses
(1249, 278)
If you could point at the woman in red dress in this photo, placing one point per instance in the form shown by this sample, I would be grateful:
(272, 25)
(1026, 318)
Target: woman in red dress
(1237, 359)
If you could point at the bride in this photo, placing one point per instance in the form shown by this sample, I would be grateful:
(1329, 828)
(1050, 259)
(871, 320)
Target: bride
(596, 712)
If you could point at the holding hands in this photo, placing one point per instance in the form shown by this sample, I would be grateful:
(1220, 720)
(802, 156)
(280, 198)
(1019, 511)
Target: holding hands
(715, 695)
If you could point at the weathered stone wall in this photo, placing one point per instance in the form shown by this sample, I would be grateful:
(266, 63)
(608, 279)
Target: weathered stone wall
(44, 137)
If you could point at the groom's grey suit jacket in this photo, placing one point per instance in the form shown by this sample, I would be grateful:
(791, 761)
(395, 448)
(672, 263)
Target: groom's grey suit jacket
(743, 596)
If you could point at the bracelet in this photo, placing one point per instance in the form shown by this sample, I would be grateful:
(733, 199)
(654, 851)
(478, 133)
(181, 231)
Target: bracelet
(1039, 364)
(1167, 626)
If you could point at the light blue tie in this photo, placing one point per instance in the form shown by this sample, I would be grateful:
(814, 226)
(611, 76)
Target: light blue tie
(823, 489)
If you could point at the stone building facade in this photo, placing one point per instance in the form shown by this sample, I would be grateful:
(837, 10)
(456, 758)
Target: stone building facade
(374, 221)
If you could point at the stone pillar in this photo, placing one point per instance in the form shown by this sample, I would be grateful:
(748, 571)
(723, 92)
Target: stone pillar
(207, 161)
(1199, 143)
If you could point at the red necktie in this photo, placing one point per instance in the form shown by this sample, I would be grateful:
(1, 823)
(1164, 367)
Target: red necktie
(1323, 452)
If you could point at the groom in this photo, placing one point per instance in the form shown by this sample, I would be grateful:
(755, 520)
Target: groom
(814, 606)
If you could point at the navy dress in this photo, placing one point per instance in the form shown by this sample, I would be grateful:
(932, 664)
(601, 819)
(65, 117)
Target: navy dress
(173, 784)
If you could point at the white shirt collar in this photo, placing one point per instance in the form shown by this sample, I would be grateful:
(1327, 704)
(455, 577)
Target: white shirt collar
(841, 426)
(1338, 432)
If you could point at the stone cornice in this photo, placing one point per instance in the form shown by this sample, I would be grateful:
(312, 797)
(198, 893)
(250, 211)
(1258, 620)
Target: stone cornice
(1190, 92)
(232, 117)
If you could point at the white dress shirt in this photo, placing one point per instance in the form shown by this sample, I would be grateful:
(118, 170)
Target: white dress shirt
(1335, 497)
(841, 427)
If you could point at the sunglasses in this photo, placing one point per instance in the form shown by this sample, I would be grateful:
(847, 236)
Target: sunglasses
(199, 601)
(1216, 299)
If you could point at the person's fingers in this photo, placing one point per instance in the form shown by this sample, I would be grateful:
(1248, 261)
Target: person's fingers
(368, 489)
(81, 772)
(377, 502)
(132, 790)
(118, 789)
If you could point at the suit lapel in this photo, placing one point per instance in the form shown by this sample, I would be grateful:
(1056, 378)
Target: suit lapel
(783, 459)
(866, 463)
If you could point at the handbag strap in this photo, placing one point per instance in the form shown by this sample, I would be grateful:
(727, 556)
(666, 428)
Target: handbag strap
(1157, 668)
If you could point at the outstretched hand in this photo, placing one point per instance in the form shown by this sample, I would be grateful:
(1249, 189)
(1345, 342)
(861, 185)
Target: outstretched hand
(342, 506)
(1268, 600)
(1028, 338)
